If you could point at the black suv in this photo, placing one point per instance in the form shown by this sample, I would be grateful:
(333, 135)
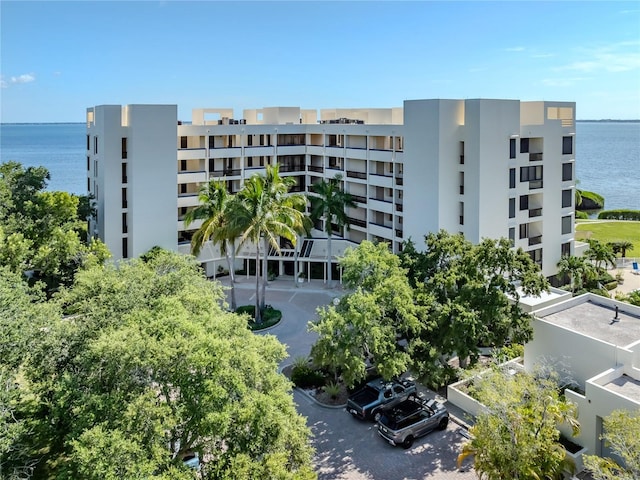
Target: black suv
(411, 419)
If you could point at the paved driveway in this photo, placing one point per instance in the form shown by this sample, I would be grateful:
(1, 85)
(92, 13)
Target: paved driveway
(347, 448)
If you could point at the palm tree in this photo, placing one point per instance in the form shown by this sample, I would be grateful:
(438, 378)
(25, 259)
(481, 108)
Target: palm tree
(621, 247)
(601, 253)
(330, 205)
(578, 270)
(215, 209)
(265, 212)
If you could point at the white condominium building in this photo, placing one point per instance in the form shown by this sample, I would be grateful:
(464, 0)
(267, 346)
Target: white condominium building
(485, 168)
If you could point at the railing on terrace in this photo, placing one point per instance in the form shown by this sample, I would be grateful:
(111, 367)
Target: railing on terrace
(315, 168)
(398, 207)
(292, 168)
(388, 175)
(359, 198)
(382, 225)
(381, 200)
(335, 167)
(535, 157)
(358, 222)
(354, 174)
(398, 233)
(537, 240)
(399, 181)
(226, 172)
(535, 212)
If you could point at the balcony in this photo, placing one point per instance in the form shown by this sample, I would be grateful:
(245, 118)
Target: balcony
(358, 222)
(192, 177)
(398, 207)
(398, 233)
(227, 172)
(535, 184)
(535, 157)
(399, 181)
(535, 212)
(359, 199)
(315, 168)
(385, 206)
(537, 240)
(377, 180)
(335, 167)
(461, 189)
(191, 153)
(292, 168)
(354, 174)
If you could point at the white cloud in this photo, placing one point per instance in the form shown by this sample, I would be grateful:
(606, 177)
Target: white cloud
(24, 78)
(514, 49)
(617, 57)
(543, 55)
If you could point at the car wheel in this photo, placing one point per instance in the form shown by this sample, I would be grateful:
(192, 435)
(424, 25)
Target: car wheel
(408, 442)
(376, 415)
(443, 424)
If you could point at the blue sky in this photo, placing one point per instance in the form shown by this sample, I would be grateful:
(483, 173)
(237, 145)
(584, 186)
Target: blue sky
(57, 58)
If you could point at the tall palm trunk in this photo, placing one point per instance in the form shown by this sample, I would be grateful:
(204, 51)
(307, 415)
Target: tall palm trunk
(232, 275)
(329, 257)
(265, 266)
(258, 315)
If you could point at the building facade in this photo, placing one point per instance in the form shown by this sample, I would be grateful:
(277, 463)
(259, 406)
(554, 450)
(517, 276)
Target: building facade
(485, 168)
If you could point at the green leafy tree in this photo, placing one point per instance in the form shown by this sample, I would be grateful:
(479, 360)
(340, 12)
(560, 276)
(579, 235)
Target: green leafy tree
(216, 210)
(367, 324)
(601, 253)
(265, 211)
(148, 367)
(330, 205)
(621, 247)
(517, 437)
(578, 270)
(471, 295)
(622, 434)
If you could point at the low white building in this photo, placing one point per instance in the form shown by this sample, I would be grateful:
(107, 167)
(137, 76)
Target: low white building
(598, 341)
(485, 168)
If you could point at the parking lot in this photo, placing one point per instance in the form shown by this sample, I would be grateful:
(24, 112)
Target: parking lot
(347, 448)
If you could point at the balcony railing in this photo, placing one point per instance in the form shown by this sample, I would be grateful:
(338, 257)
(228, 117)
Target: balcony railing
(398, 207)
(382, 225)
(292, 168)
(535, 157)
(535, 184)
(335, 167)
(226, 172)
(359, 198)
(358, 222)
(354, 174)
(461, 189)
(398, 233)
(535, 212)
(380, 200)
(461, 159)
(315, 168)
(399, 181)
(537, 240)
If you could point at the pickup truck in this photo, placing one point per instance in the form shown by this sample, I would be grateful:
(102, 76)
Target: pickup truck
(370, 401)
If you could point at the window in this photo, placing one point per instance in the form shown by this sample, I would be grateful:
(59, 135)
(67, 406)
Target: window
(249, 140)
(212, 166)
(524, 145)
(125, 248)
(461, 153)
(512, 235)
(566, 249)
(567, 224)
(183, 142)
(461, 213)
(524, 202)
(212, 142)
(567, 172)
(88, 164)
(512, 207)
(249, 162)
(567, 145)
(530, 174)
(461, 183)
(261, 139)
(124, 198)
(524, 230)
(512, 148)
(95, 145)
(124, 147)
(95, 168)
(88, 185)
(512, 178)
(124, 222)
(183, 165)
(567, 195)
(183, 188)
(124, 172)
(88, 142)
(536, 256)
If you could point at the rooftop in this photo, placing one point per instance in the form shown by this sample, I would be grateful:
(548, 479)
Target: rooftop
(597, 320)
(625, 385)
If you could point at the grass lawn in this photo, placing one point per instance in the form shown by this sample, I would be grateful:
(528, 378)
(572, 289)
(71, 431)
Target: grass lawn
(610, 231)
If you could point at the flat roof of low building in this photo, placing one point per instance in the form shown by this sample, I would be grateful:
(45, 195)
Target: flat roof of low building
(598, 321)
(625, 385)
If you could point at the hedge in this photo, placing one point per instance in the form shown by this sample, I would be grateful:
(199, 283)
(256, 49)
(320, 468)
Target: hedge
(621, 214)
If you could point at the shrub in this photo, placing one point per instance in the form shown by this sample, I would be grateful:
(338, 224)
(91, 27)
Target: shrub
(621, 214)
(611, 285)
(270, 316)
(305, 377)
(300, 362)
(581, 215)
(332, 389)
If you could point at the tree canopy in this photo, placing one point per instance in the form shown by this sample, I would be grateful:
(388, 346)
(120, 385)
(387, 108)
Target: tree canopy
(517, 437)
(146, 367)
(622, 434)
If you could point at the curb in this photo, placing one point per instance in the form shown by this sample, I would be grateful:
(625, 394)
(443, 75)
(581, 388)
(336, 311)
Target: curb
(323, 405)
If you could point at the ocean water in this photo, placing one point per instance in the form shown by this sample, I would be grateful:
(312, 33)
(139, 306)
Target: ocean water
(607, 156)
